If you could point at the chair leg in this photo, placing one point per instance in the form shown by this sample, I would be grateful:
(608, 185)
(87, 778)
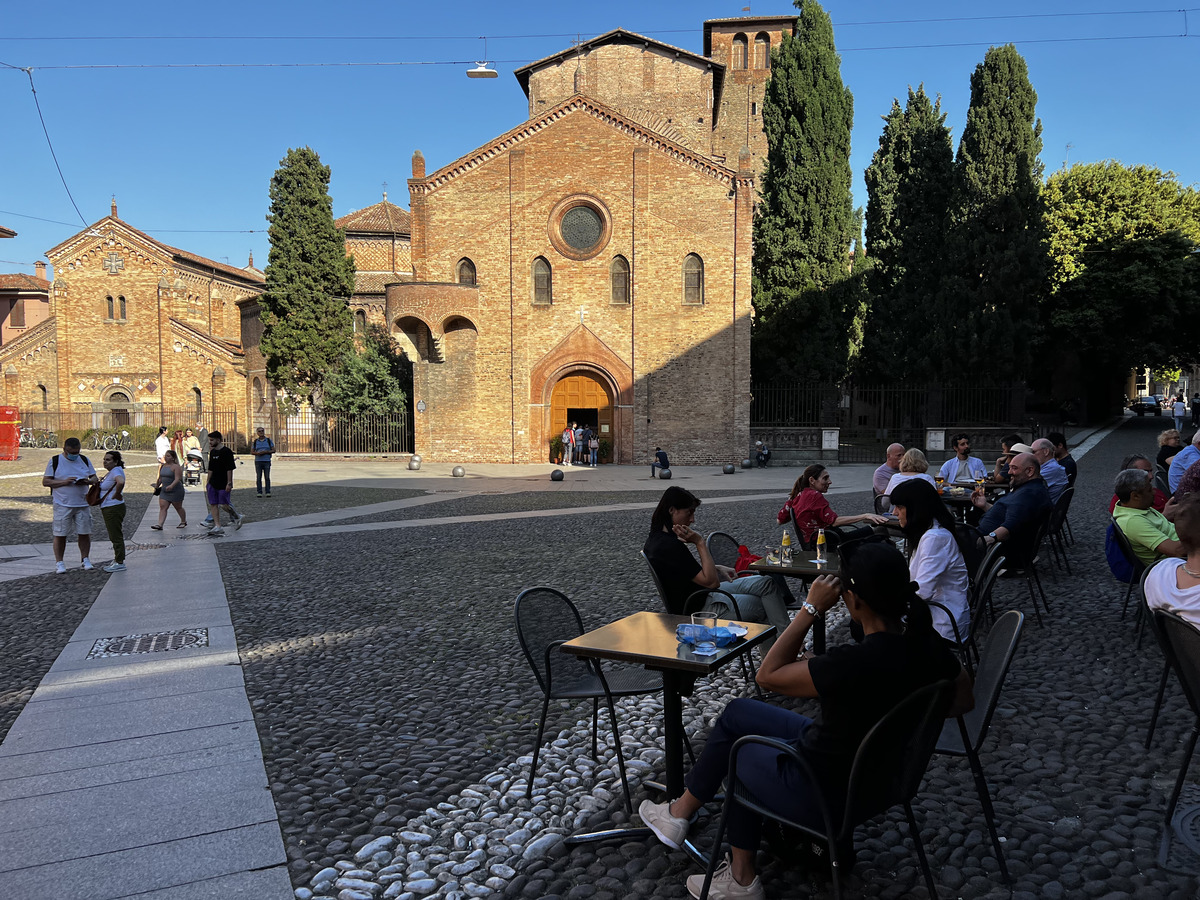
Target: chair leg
(687, 745)
(716, 848)
(1187, 760)
(1062, 545)
(1037, 579)
(1125, 605)
(989, 814)
(537, 747)
(612, 714)
(1032, 596)
(916, 836)
(1162, 689)
(595, 728)
(1070, 533)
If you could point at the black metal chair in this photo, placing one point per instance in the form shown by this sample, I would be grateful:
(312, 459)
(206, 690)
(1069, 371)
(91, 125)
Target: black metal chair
(1029, 571)
(888, 769)
(724, 548)
(725, 605)
(981, 597)
(545, 619)
(1054, 528)
(1139, 567)
(966, 735)
(1167, 652)
(1183, 639)
(972, 546)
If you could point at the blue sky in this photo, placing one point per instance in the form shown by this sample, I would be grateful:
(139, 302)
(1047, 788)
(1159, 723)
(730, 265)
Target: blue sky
(189, 152)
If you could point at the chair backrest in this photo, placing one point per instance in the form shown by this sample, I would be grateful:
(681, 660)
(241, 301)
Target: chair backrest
(1161, 481)
(1058, 513)
(981, 592)
(971, 545)
(994, 552)
(881, 505)
(1184, 640)
(994, 659)
(723, 603)
(1132, 558)
(724, 548)
(544, 616)
(658, 585)
(892, 758)
(804, 545)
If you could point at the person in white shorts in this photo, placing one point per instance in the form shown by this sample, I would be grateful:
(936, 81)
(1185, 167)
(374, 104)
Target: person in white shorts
(68, 475)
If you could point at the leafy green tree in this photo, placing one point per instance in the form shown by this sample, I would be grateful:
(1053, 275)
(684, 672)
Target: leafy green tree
(909, 191)
(995, 261)
(805, 223)
(371, 377)
(306, 320)
(1123, 274)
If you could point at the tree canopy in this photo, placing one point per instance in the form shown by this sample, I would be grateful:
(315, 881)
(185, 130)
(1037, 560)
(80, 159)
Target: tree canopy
(909, 190)
(804, 226)
(306, 319)
(371, 377)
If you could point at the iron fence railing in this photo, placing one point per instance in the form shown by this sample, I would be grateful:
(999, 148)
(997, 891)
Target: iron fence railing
(885, 407)
(133, 429)
(331, 432)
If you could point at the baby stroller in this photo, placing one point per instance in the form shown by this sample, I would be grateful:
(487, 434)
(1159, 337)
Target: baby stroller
(192, 468)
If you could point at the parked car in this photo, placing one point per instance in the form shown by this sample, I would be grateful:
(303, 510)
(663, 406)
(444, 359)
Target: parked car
(1151, 403)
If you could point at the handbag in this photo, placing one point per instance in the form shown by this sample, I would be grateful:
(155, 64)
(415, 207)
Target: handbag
(157, 489)
(93, 494)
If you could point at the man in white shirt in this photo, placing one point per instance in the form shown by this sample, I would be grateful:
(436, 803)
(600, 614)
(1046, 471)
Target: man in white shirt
(68, 475)
(1053, 473)
(162, 444)
(963, 468)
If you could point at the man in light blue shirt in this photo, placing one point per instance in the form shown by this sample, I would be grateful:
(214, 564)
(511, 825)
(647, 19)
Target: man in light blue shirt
(1053, 473)
(962, 468)
(1182, 460)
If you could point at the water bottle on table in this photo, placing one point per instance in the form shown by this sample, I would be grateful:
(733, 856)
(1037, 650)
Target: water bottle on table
(785, 548)
(820, 558)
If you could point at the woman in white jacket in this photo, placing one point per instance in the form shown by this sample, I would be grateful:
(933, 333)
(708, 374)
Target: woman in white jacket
(935, 561)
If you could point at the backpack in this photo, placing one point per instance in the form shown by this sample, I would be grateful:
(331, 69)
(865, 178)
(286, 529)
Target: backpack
(1117, 563)
(54, 467)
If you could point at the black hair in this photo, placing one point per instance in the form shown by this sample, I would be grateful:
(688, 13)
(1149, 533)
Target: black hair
(116, 454)
(1127, 462)
(162, 429)
(878, 574)
(813, 471)
(922, 507)
(672, 498)
(962, 435)
(1011, 440)
(71, 442)
(1057, 438)
(215, 434)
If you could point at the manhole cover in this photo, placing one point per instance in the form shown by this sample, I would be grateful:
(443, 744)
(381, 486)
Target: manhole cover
(133, 545)
(1180, 849)
(155, 642)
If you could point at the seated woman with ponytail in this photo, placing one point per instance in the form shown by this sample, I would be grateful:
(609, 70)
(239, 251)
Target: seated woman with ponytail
(808, 506)
(856, 684)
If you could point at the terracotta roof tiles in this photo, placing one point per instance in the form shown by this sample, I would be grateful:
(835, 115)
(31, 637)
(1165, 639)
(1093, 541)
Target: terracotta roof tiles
(382, 218)
(20, 282)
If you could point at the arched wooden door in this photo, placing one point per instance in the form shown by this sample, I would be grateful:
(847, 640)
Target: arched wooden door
(583, 398)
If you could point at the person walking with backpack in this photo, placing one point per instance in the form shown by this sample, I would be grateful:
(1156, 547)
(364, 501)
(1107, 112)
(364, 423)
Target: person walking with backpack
(69, 475)
(568, 443)
(262, 448)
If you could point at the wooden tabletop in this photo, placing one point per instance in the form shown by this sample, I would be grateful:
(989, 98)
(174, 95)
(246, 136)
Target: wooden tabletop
(803, 565)
(648, 638)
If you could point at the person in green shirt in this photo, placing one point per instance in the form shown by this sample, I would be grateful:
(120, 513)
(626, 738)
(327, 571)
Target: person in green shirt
(1150, 534)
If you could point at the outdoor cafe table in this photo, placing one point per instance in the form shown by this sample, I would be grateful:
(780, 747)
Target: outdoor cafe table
(648, 638)
(804, 566)
(959, 501)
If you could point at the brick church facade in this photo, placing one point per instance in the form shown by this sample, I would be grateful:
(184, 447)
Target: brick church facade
(593, 263)
(133, 328)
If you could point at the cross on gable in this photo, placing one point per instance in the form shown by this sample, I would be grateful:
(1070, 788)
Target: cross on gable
(113, 262)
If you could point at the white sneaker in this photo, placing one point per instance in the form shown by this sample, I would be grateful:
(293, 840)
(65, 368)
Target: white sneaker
(237, 523)
(216, 532)
(669, 829)
(87, 565)
(115, 567)
(724, 887)
(209, 526)
(60, 568)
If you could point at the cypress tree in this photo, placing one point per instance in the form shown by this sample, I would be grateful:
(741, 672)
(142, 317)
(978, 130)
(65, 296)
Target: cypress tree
(996, 259)
(909, 190)
(805, 220)
(306, 319)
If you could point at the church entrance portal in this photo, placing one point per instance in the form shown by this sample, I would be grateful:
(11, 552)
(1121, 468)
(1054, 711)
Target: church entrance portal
(582, 398)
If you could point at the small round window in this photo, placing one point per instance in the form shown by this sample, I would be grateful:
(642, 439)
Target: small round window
(582, 228)
(579, 227)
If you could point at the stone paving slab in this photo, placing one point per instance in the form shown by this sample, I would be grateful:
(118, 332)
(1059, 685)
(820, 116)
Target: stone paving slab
(255, 885)
(96, 693)
(161, 867)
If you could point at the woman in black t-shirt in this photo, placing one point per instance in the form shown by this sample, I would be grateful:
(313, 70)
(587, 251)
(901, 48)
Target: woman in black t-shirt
(856, 684)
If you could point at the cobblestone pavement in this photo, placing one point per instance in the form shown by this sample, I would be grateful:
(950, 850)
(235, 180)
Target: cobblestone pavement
(397, 718)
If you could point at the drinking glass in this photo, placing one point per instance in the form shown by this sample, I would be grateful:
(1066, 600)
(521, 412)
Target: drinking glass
(940, 481)
(705, 622)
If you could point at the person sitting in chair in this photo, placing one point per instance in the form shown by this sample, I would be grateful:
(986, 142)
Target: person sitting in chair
(1150, 535)
(1016, 516)
(759, 598)
(808, 506)
(857, 684)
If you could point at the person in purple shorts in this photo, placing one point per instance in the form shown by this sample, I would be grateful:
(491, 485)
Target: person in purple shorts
(220, 484)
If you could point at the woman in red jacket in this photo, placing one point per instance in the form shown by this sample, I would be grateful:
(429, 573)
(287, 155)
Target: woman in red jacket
(808, 506)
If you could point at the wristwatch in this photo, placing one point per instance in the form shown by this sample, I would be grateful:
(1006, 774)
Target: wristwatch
(992, 535)
(810, 609)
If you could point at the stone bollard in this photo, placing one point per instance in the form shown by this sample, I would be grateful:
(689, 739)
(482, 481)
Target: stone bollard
(458, 472)
(414, 462)
(665, 474)
(728, 469)
(556, 475)
(747, 464)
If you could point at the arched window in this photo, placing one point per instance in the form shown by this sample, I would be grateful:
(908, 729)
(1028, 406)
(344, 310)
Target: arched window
(199, 399)
(111, 311)
(762, 51)
(466, 271)
(693, 280)
(121, 308)
(41, 398)
(618, 273)
(360, 320)
(543, 284)
(739, 51)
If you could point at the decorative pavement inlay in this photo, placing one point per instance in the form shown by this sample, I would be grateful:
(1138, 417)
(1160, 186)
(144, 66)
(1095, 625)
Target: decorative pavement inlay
(155, 642)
